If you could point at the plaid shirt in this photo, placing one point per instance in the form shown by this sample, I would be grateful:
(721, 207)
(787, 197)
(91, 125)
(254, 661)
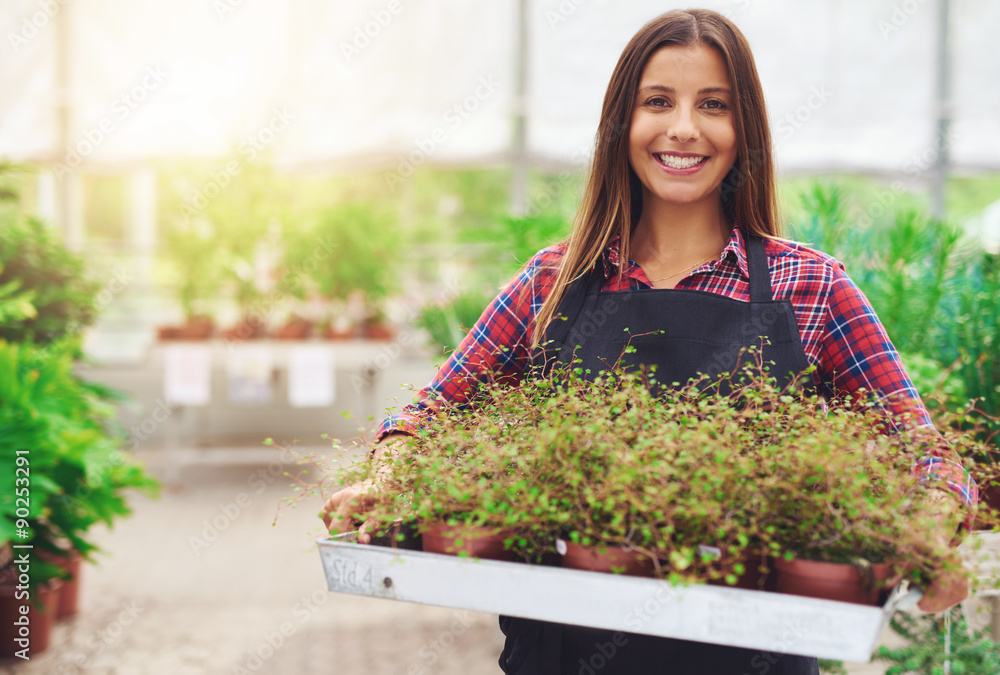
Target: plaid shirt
(840, 333)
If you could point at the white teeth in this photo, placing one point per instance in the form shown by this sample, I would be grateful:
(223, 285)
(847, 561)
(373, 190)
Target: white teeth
(679, 162)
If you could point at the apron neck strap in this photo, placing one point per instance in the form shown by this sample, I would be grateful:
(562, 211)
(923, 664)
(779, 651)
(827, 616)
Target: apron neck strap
(760, 276)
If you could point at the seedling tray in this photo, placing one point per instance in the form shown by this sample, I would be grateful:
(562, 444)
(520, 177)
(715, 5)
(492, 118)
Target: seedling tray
(771, 622)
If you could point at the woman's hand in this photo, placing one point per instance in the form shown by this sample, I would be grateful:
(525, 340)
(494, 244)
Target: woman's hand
(951, 585)
(340, 511)
(947, 590)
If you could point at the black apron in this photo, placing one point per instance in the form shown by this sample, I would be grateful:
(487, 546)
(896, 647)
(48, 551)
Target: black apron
(684, 333)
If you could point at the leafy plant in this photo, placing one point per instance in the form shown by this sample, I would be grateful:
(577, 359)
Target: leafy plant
(970, 653)
(512, 240)
(76, 471)
(194, 251)
(831, 667)
(363, 245)
(936, 292)
(36, 266)
(604, 461)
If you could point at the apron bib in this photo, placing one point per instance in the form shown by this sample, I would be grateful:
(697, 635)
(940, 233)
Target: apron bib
(683, 334)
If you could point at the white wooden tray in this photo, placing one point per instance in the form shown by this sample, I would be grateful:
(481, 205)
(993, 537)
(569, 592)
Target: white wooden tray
(772, 622)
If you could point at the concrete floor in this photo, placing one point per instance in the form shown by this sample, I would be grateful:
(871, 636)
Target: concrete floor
(199, 582)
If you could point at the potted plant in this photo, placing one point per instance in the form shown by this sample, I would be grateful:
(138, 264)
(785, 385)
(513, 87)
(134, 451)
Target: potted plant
(38, 270)
(55, 430)
(349, 255)
(840, 501)
(459, 482)
(694, 486)
(193, 250)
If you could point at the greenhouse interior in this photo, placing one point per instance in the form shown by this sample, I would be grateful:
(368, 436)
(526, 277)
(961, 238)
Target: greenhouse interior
(240, 238)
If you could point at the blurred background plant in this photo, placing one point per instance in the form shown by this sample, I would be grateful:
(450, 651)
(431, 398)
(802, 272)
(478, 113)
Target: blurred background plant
(349, 256)
(936, 291)
(36, 268)
(931, 641)
(61, 426)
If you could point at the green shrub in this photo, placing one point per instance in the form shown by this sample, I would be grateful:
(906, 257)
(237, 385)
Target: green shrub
(607, 462)
(77, 473)
(35, 262)
(937, 293)
(350, 249)
(971, 653)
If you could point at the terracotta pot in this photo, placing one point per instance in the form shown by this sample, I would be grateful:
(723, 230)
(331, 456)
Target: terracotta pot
(69, 595)
(168, 333)
(197, 328)
(332, 333)
(602, 558)
(296, 329)
(378, 331)
(247, 329)
(833, 581)
(989, 507)
(41, 618)
(477, 542)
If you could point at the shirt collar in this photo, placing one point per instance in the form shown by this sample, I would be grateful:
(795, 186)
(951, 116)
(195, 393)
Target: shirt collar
(735, 247)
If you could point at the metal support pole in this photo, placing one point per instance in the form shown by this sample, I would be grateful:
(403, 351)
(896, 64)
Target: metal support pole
(519, 180)
(995, 617)
(942, 91)
(69, 190)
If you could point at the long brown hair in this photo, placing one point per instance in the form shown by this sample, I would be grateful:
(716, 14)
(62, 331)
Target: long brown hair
(612, 199)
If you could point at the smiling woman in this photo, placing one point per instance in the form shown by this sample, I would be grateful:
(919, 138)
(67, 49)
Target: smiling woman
(682, 144)
(675, 262)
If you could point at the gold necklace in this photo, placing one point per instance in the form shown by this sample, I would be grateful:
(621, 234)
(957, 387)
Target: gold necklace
(686, 269)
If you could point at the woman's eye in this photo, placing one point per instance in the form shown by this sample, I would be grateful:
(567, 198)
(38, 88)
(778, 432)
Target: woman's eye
(657, 102)
(715, 104)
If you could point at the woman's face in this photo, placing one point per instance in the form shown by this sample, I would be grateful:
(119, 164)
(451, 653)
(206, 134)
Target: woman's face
(682, 139)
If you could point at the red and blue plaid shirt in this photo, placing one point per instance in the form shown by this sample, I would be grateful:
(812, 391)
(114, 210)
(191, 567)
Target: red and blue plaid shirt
(840, 333)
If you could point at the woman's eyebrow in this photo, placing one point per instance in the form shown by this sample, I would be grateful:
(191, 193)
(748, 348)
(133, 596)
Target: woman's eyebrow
(671, 90)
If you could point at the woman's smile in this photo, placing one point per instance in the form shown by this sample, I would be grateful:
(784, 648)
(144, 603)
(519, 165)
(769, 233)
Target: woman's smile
(683, 164)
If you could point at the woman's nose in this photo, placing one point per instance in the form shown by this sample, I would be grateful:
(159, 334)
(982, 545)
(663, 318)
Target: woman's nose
(682, 125)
